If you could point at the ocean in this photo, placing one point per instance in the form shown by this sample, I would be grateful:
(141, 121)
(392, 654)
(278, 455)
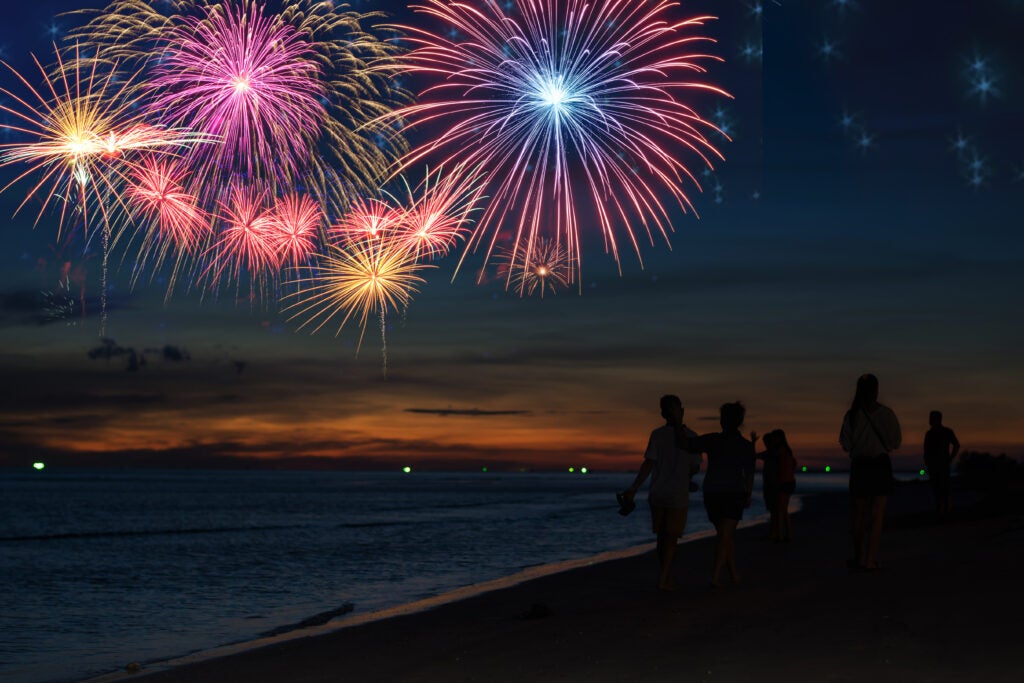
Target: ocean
(105, 567)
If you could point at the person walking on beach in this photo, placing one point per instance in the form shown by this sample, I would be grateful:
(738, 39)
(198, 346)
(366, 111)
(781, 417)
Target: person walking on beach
(870, 431)
(787, 484)
(769, 480)
(728, 483)
(670, 468)
(940, 450)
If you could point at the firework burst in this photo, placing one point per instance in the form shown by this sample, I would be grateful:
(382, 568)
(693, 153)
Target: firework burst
(291, 90)
(357, 280)
(296, 220)
(544, 267)
(573, 110)
(440, 216)
(367, 219)
(248, 238)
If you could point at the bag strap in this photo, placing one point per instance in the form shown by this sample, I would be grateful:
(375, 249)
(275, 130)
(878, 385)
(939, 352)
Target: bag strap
(874, 428)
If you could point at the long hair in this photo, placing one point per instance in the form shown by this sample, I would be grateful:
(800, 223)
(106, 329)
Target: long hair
(867, 393)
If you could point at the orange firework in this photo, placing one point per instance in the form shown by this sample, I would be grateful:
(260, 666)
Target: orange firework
(538, 267)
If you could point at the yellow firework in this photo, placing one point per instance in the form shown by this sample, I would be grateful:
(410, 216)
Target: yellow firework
(81, 128)
(354, 281)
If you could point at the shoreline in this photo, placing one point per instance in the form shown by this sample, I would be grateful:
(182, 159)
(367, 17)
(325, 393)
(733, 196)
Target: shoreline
(946, 608)
(415, 607)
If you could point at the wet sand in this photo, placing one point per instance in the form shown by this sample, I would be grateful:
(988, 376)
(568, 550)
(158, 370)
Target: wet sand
(948, 606)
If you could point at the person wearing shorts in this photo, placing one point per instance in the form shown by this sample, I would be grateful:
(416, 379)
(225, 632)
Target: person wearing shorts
(727, 484)
(670, 468)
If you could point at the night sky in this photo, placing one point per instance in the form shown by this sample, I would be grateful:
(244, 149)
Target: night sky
(866, 219)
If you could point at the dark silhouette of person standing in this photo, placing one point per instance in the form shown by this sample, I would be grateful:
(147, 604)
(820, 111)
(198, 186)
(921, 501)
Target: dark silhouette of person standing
(787, 485)
(727, 484)
(769, 479)
(940, 449)
(671, 468)
(869, 433)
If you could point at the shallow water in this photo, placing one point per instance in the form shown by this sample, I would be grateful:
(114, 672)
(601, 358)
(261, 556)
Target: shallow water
(106, 567)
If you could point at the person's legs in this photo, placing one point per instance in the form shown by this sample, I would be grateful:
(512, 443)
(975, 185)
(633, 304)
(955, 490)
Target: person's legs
(858, 510)
(729, 544)
(785, 530)
(666, 556)
(875, 539)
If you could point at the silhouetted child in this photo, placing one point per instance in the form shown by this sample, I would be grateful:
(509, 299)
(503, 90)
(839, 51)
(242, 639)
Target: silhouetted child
(787, 484)
(940, 450)
(769, 480)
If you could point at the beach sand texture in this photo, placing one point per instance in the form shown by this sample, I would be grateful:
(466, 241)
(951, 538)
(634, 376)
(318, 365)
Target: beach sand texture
(948, 606)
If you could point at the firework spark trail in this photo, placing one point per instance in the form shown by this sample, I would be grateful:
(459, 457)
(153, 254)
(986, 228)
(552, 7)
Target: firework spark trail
(441, 215)
(356, 280)
(569, 85)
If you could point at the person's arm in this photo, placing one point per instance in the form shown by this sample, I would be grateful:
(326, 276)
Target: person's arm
(641, 476)
(956, 445)
(844, 436)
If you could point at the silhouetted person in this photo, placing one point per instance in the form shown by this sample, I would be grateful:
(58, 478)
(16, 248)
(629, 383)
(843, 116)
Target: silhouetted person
(728, 483)
(769, 479)
(670, 468)
(870, 431)
(787, 484)
(940, 450)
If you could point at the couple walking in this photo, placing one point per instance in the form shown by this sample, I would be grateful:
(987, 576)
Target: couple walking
(673, 456)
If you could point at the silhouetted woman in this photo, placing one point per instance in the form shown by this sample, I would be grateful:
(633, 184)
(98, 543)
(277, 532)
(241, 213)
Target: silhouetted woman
(769, 480)
(727, 484)
(870, 431)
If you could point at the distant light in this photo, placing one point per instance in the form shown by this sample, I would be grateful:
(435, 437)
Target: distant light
(828, 468)
(407, 469)
(572, 469)
(39, 465)
(583, 470)
(921, 472)
(484, 469)
(804, 468)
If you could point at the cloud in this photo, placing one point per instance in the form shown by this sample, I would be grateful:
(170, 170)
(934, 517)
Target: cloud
(471, 412)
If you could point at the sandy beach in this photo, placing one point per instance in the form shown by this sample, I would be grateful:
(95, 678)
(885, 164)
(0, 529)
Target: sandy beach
(946, 607)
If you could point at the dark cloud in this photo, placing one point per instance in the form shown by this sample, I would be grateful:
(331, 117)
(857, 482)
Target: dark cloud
(470, 412)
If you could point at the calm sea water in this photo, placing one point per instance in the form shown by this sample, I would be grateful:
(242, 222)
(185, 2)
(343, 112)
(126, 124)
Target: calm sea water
(100, 567)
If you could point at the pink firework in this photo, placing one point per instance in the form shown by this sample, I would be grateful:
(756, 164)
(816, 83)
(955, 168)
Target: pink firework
(576, 112)
(240, 74)
(248, 238)
(440, 216)
(156, 191)
(296, 221)
(367, 219)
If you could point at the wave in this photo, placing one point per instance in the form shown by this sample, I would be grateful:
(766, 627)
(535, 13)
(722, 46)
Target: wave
(143, 532)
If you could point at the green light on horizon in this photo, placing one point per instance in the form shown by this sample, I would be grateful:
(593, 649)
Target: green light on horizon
(828, 468)
(583, 470)
(39, 465)
(571, 470)
(407, 469)
(484, 469)
(804, 468)
(921, 472)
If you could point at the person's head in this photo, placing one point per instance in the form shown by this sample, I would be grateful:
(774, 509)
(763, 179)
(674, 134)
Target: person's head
(671, 408)
(867, 392)
(779, 439)
(731, 416)
(935, 418)
(769, 440)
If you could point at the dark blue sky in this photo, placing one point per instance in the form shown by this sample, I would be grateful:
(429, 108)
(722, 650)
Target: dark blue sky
(865, 219)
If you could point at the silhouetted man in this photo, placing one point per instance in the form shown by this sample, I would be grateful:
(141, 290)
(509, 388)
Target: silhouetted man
(940, 449)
